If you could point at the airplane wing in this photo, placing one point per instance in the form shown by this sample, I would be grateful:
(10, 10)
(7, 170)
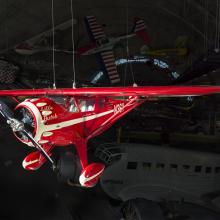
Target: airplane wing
(106, 58)
(94, 29)
(32, 46)
(146, 91)
(107, 62)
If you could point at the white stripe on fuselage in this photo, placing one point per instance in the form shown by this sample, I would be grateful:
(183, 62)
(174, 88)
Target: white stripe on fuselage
(41, 127)
(76, 121)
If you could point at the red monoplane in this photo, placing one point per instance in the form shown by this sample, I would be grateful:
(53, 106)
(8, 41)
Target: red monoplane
(51, 118)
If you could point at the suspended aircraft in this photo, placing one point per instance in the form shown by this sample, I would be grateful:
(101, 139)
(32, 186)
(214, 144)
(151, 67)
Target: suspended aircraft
(180, 49)
(53, 118)
(102, 46)
(40, 42)
(100, 42)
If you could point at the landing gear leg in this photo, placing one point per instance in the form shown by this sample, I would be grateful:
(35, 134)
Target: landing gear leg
(90, 173)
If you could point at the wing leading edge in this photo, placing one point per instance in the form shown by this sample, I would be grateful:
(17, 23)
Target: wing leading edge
(94, 29)
(150, 91)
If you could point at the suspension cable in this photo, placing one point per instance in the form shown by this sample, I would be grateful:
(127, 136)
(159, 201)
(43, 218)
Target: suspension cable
(6, 26)
(53, 49)
(126, 31)
(127, 46)
(217, 27)
(206, 20)
(73, 47)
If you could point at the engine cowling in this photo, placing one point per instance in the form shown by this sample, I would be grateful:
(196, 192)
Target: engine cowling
(41, 117)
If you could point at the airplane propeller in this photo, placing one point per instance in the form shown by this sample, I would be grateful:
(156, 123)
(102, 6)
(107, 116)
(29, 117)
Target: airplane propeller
(5, 111)
(18, 126)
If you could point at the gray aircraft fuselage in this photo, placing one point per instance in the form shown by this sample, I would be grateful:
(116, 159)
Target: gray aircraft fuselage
(163, 173)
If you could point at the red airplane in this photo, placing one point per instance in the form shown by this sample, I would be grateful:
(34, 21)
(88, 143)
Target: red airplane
(52, 118)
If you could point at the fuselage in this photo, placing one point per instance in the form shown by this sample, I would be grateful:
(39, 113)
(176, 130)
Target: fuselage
(62, 122)
(102, 45)
(160, 173)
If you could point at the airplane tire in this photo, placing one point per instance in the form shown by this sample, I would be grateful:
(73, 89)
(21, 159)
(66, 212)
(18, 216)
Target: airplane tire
(68, 167)
(141, 209)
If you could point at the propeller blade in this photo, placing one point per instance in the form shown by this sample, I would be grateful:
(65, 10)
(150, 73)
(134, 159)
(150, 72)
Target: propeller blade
(38, 146)
(6, 111)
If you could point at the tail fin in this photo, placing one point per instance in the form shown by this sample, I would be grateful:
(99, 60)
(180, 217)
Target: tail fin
(140, 30)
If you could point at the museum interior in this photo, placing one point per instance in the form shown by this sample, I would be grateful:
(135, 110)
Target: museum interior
(110, 110)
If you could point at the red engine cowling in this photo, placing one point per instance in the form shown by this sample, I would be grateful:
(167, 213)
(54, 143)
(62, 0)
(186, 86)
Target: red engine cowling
(43, 118)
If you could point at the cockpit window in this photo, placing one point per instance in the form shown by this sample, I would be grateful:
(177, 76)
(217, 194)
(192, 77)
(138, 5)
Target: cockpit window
(86, 105)
(102, 41)
(105, 41)
(72, 106)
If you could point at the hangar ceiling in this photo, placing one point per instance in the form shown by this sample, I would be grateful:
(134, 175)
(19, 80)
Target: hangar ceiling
(165, 20)
(24, 19)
